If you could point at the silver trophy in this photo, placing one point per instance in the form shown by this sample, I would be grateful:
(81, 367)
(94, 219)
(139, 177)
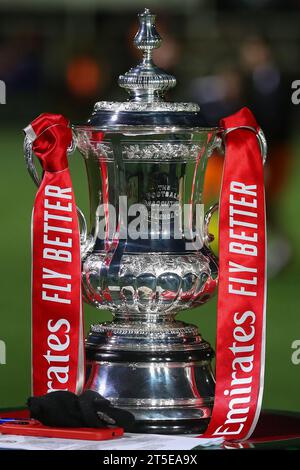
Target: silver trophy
(152, 153)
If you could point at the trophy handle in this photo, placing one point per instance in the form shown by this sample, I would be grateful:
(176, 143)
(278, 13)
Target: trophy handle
(85, 241)
(209, 237)
(262, 142)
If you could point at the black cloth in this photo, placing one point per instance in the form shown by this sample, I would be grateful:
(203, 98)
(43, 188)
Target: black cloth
(89, 410)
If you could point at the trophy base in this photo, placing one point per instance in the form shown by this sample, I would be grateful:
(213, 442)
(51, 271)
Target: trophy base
(161, 373)
(168, 427)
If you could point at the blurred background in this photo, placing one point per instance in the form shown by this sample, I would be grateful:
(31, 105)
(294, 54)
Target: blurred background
(63, 55)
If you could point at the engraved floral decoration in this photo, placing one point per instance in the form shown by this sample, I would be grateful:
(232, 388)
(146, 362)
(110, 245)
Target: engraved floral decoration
(161, 151)
(105, 150)
(145, 106)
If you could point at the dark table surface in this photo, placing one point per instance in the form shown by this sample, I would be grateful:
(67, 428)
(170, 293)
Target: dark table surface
(274, 430)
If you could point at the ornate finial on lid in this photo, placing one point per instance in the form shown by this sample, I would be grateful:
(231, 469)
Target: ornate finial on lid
(147, 82)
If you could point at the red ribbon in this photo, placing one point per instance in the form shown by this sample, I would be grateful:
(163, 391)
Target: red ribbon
(242, 283)
(57, 321)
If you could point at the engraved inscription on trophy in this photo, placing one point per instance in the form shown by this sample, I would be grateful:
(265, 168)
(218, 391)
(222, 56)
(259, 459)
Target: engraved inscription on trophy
(162, 202)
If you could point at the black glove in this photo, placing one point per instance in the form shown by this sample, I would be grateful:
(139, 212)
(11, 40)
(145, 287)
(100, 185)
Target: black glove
(89, 410)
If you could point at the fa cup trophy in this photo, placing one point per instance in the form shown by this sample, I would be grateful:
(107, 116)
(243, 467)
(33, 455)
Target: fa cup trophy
(147, 256)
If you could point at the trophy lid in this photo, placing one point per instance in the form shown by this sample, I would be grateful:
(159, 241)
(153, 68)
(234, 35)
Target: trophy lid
(146, 85)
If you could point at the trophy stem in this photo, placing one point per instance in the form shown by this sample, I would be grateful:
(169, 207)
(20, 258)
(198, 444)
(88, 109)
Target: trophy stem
(161, 372)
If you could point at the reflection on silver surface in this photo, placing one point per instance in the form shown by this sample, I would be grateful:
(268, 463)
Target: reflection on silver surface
(151, 283)
(166, 391)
